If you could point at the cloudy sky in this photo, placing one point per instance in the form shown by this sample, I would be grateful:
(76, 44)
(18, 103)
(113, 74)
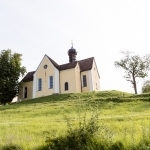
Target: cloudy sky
(99, 28)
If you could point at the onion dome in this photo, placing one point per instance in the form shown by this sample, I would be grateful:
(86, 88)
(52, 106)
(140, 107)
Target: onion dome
(72, 54)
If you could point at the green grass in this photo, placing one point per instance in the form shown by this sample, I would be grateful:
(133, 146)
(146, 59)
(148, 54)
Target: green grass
(124, 120)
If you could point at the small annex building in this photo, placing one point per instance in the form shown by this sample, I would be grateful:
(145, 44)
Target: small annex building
(50, 78)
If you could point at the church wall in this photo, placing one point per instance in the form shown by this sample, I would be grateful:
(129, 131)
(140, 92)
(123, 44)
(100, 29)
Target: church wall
(78, 79)
(40, 73)
(95, 77)
(29, 86)
(88, 88)
(69, 76)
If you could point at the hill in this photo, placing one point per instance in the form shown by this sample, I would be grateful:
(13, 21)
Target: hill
(123, 118)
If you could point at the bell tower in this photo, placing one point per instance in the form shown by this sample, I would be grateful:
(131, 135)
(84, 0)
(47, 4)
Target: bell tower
(72, 54)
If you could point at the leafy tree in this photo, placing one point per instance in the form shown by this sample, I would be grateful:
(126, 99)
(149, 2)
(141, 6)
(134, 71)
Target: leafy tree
(146, 87)
(10, 71)
(134, 66)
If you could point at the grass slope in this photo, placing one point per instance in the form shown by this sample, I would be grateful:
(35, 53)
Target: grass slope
(124, 118)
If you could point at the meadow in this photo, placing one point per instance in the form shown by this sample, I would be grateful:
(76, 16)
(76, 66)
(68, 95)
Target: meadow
(123, 121)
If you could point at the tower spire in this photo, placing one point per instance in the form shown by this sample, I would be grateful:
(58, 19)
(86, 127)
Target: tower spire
(72, 44)
(72, 53)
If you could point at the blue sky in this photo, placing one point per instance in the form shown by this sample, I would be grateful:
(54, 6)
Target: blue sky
(99, 28)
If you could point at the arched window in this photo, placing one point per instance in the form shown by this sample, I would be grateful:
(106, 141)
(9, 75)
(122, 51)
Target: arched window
(84, 81)
(25, 92)
(51, 82)
(39, 84)
(66, 86)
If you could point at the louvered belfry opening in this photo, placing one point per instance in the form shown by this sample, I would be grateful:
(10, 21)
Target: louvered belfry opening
(72, 54)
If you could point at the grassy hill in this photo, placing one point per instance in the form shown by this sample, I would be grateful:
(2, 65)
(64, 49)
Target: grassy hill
(123, 120)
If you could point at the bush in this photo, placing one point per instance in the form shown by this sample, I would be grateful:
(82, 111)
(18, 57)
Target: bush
(146, 87)
(11, 147)
(76, 138)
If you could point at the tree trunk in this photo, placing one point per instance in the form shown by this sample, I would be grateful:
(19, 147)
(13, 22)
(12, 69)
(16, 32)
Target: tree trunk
(134, 85)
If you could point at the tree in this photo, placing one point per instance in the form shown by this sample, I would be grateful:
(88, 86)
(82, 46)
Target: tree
(134, 66)
(146, 87)
(10, 71)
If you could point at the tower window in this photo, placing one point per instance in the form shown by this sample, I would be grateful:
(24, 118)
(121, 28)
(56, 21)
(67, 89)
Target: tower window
(39, 84)
(84, 81)
(66, 86)
(25, 92)
(51, 82)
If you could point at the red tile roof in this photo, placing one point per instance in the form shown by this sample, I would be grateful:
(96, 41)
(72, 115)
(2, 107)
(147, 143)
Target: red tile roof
(85, 65)
(28, 77)
(53, 62)
(67, 66)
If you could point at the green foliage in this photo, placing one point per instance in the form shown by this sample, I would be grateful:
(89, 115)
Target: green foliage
(135, 66)
(113, 93)
(144, 95)
(11, 147)
(146, 87)
(10, 71)
(123, 122)
(76, 138)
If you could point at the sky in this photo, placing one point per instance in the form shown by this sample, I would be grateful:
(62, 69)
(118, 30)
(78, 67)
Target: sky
(98, 28)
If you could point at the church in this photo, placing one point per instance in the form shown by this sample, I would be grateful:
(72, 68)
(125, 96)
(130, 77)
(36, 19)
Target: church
(50, 78)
